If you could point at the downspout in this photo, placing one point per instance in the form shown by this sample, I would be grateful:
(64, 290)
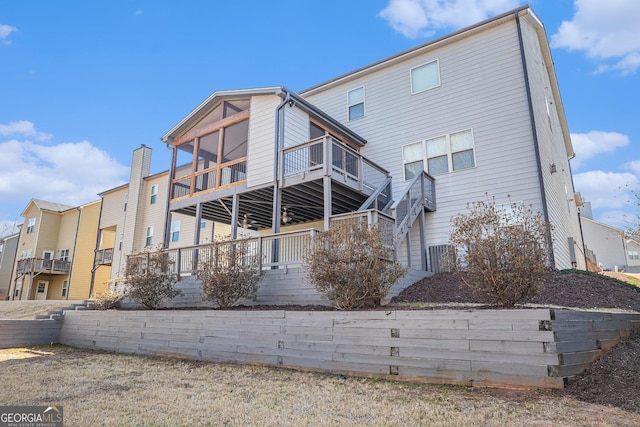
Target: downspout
(167, 217)
(279, 138)
(75, 244)
(584, 248)
(545, 208)
(98, 237)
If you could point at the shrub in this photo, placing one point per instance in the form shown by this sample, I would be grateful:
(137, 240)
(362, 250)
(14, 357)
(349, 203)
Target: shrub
(502, 251)
(229, 271)
(351, 264)
(149, 279)
(107, 300)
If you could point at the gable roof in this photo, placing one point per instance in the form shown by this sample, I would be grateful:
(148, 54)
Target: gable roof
(46, 206)
(286, 94)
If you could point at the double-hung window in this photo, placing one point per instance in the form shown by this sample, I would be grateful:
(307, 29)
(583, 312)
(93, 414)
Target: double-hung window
(64, 255)
(65, 288)
(446, 153)
(31, 225)
(425, 77)
(355, 102)
(149, 240)
(633, 255)
(175, 230)
(154, 194)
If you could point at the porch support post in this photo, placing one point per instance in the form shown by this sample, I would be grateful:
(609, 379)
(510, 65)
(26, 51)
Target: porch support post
(196, 233)
(409, 248)
(235, 204)
(327, 202)
(275, 224)
(423, 241)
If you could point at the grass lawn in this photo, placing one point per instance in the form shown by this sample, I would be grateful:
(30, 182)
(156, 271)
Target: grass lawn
(105, 389)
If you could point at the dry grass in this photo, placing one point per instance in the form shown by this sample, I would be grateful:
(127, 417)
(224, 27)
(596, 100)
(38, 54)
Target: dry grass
(631, 278)
(108, 390)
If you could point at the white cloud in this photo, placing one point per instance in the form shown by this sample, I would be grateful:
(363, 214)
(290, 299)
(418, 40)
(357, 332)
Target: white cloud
(23, 128)
(138, 12)
(422, 18)
(588, 145)
(604, 30)
(606, 190)
(633, 166)
(68, 173)
(5, 32)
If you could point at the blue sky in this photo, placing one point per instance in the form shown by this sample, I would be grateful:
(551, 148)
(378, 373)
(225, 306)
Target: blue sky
(82, 83)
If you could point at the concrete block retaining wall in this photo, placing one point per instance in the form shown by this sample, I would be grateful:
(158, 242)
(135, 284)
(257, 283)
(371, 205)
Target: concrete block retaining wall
(511, 348)
(24, 332)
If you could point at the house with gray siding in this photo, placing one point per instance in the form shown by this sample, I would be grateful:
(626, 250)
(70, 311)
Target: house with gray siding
(404, 143)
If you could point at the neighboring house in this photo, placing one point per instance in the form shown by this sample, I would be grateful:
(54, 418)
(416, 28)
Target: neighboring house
(56, 252)
(612, 248)
(471, 115)
(8, 249)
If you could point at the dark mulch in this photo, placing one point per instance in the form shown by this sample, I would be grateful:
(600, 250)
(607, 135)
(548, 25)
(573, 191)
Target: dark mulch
(614, 379)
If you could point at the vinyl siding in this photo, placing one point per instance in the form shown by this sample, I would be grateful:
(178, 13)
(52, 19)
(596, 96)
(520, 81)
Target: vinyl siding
(80, 281)
(113, 217)
(67, 234)
(483, 89)
(296, 125)
(260, 151)
(151, 215)
(561, 206)
(606, 243)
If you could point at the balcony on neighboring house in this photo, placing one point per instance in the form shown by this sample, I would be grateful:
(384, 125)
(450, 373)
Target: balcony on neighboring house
(103, 257)
(33, 266)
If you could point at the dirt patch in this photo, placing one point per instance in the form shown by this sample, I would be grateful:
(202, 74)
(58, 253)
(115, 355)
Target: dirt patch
(30, 309)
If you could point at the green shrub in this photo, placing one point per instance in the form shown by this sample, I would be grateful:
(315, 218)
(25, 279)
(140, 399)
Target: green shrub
(228, 272)
(351, 264)
(501, 251)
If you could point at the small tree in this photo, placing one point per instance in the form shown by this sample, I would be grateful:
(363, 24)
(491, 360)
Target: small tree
(502, 251)
(351, 264)
(229, 271)
(149, 279)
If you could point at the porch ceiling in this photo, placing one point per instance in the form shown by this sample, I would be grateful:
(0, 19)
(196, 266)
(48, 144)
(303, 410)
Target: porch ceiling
(304, 203)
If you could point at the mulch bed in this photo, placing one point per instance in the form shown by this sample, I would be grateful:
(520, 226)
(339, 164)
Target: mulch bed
(614, 379)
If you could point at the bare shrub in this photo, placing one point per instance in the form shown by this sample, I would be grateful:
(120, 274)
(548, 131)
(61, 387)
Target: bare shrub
(351, 264)
(107, 300)
(502, 251)
(229, 271)
(150, 280)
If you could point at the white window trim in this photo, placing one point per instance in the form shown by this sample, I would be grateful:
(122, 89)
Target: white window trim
(425, 158)
(363, 102)
(154, 193)
(149, 236)
(175, 229)
(31, 225)
(437, 61)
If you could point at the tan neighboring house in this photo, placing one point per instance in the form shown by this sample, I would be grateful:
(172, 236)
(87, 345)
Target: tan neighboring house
(55, 254)
(8, 248)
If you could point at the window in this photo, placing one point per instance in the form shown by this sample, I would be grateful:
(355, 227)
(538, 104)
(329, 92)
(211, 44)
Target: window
(425, 77)
(154, 194)
(442, 154)
(64, 255)
(355, 102)
(203, 223)
(149, 236)
(31, 225)
(126, 200)
(26, 254)
(175, 230)
(510, 213)
(633, 255)
(120, 241)
(65, 288)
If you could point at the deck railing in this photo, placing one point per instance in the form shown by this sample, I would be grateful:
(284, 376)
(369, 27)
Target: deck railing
(209, 179)
(336, 159)
(41, 265)
(419, 194)
(103, 257)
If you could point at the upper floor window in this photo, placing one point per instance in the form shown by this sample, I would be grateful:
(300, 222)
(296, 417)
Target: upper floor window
(64, 255)
(120, 241)
(126, 200)
(355, 102)
(634, 255)
(149, 239)
(65, 288)
(154, 194)
(175, 230)
(442, 154)
(203, 223)
(425, 77)
(31, 225)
